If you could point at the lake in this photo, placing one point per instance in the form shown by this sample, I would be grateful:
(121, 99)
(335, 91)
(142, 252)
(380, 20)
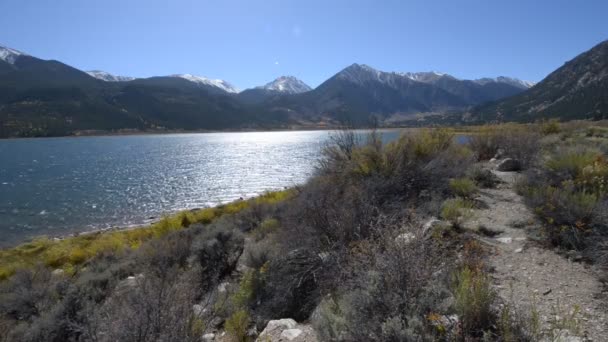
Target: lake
(57, 186)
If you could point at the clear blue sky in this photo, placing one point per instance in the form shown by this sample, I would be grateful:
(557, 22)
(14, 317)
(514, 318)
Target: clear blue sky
(251, 42)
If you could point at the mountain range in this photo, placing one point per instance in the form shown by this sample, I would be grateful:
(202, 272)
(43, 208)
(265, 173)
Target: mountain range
(47, 98)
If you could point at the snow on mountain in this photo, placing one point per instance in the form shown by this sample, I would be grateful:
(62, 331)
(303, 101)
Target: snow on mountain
(508, 80)
(425, 77)
(286, 84)
(361, 73)
(225, 86)
(10, 55)
(106, 76)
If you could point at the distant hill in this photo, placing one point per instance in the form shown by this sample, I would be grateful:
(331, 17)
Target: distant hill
(48, 98)
(577, 90)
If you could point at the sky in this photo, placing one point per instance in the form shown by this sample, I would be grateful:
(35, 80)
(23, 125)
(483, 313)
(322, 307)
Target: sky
(251, 42)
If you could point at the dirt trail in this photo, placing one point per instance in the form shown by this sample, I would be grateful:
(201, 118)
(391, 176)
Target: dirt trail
(527, 274)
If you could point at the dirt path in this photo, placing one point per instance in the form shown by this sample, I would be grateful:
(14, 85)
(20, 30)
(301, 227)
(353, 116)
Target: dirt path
(567, 295)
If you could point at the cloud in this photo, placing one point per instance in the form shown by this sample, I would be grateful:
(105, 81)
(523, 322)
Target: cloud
(276, 63)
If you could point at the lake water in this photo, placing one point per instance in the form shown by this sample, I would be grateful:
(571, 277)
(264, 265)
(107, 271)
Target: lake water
(56, 186)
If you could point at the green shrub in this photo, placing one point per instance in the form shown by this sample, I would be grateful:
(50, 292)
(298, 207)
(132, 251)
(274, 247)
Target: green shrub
(463, 187)
(247, 290)
(236, 325)
(457, 210)
(473, 300)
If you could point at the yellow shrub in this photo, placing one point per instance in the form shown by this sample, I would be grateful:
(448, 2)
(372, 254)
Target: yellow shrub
(73, 251)
(431, 141)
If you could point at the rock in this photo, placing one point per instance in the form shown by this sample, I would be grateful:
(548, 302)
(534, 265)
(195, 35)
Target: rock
(133, 280)
(519, 250)
(287, 330)
(279, 324)
(509, 165)
(198, 309)
(291, 334)
(405, 238)
(506, 240)
(209, 337)
(58, 272)
(222, 287)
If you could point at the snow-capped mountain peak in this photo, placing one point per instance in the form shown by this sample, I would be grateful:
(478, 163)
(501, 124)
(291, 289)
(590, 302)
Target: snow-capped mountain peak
(425, 77)
(10, 55)
(508, 80)
(106, 76)
(361, 73)
(286, 84)
(223, 85)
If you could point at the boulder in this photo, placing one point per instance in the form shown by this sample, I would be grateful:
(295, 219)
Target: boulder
(279, 324)
(287, 330)
(291, 334)
(509, 165)
(209, 337)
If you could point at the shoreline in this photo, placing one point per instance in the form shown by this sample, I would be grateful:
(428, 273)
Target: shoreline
(152, 220)
(96, 133)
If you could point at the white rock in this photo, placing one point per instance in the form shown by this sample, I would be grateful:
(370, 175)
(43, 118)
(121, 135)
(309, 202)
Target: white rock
(405, 238)
(58, 272)
(291, 334)
(198, 309)
(519, 250)
(222, 287)
(279, 324)
(506, 240)
(209, 337)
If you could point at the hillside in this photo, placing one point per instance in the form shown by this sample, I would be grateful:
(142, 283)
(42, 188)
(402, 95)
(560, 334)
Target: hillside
(577, 90)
